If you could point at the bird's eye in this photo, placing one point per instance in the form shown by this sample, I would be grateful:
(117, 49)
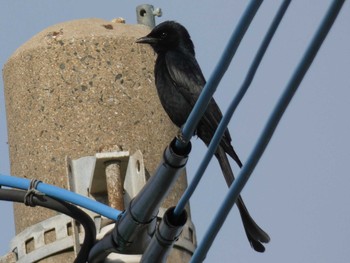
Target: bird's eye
(163, 35)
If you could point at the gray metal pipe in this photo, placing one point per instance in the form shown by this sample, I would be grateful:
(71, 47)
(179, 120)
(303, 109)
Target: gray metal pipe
(136, 225)
(143, 209)
(166, 234)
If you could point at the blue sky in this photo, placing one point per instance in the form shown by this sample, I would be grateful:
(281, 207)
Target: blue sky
(299, 191)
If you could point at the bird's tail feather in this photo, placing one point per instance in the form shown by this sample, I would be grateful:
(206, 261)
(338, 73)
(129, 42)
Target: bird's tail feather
(255, 234)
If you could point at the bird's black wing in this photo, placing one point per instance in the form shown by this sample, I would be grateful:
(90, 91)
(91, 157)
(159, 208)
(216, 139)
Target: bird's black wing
(187, 76)
(189, 80)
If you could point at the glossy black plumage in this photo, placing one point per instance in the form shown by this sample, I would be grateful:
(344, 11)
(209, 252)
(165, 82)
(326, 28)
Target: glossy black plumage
(179, 81)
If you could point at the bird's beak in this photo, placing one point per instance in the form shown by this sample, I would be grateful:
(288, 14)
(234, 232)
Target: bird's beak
(146, 40)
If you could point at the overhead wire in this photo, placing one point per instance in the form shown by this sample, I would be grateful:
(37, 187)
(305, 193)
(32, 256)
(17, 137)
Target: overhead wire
(187, 132)
(268, 131)
(61, 194)
(232, 107)
(190, 126)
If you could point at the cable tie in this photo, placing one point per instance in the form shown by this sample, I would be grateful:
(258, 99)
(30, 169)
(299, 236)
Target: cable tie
(32, 191)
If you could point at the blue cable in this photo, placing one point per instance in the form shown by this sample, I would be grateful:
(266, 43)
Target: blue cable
(215, 78)
(232, 107)
(268, 131)
(61, 194)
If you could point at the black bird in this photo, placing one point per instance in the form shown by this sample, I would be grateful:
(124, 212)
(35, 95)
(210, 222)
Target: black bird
(179, 81)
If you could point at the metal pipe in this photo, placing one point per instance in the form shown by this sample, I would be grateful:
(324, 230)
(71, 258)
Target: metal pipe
(135, 226)
(166, 234)
(144, 207)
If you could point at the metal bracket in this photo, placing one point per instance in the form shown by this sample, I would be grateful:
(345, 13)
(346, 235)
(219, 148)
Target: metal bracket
(37, 233)
(145, 15)
(87, 176)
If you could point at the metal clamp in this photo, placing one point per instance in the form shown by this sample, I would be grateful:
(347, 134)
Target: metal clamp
(146, 13)
(37, 234)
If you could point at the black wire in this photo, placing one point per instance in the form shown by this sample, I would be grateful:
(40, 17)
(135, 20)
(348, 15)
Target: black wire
(62, 207)
(102, 249)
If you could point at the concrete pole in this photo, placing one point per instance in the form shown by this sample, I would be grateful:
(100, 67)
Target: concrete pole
(73, 89)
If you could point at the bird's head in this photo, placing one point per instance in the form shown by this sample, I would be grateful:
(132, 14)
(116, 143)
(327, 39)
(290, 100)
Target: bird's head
(168, 35)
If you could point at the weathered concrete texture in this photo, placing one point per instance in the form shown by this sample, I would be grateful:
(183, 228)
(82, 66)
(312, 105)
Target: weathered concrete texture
(8, 258)
(74, 89)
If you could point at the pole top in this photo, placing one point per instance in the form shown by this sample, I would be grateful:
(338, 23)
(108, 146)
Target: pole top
(145, 14)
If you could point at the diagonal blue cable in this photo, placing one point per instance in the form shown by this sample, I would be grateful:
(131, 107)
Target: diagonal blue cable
(267, 133)
(232, 107)
(215, 78)
(61, 194)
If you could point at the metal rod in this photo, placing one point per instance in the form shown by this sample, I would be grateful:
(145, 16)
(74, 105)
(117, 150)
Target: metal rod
(115, 187)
